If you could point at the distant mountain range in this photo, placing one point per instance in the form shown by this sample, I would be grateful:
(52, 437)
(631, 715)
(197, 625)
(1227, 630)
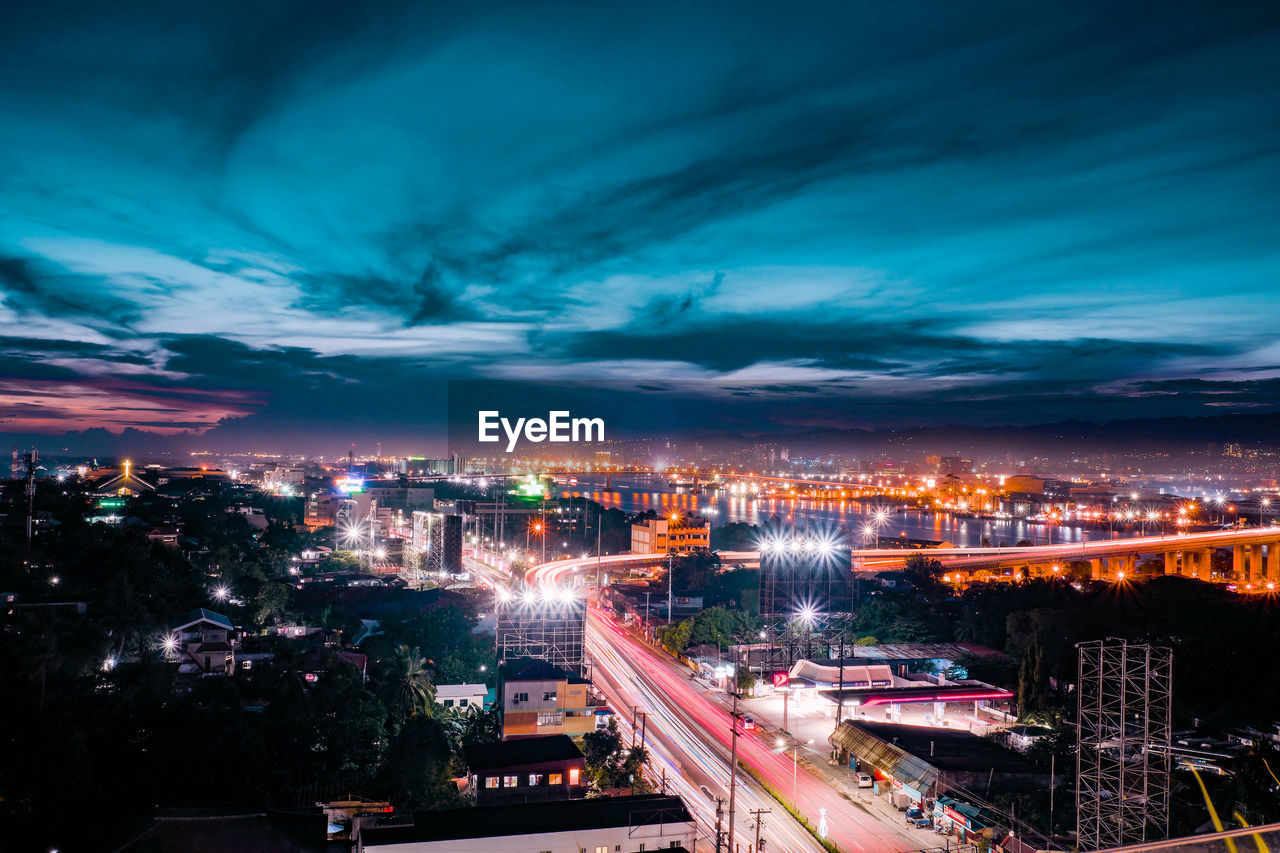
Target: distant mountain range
(1172, 434)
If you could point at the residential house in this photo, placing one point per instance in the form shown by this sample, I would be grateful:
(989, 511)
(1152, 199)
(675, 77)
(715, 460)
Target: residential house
(526, 770)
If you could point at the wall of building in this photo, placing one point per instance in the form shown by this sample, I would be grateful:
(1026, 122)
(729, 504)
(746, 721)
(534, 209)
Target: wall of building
(566, 712)
(605, 840)
(657, 536)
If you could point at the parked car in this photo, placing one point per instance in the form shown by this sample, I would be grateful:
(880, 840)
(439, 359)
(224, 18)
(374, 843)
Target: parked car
(914, 813)
(864, 780)
(923, 822)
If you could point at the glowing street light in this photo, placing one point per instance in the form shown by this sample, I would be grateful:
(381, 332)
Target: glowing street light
(221, 592)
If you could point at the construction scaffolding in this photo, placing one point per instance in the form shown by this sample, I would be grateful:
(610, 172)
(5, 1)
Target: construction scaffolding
(805, 573)
(806, 589)
(544, 628)
(1123, 737)
(434, 549)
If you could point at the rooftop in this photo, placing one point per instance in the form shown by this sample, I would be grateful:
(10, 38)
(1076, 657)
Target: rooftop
(201, 615)
(945, 749)
(516, 753)
(533, 818)
(919, 651)
(532, 669)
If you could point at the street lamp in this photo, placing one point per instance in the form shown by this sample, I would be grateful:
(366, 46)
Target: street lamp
(1262, 504)
(782, 747)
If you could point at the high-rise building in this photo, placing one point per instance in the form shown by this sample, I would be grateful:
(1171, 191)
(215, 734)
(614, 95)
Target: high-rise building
(952, 466)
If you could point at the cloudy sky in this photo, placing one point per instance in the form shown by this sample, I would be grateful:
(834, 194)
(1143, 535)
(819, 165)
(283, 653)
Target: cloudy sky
(293, 221)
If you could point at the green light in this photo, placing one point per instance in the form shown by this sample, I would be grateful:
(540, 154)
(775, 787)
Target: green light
(530, 489)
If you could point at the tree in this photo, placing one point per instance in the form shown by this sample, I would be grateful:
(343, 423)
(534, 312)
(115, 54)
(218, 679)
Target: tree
(924, 573)
(1033, 683)
(601, 749)
(481, 725)
(694, 571)
(406, 682)
(416, 772)
(675, 637)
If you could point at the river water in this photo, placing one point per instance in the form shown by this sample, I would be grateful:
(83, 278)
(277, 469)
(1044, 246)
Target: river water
(637, 495)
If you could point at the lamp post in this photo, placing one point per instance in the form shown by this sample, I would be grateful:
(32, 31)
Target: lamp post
(782, 747)
(1262, 504)
(675, 520)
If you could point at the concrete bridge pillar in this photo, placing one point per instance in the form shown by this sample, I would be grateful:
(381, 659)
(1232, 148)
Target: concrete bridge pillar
(1127, 564)
(1204, 564)
(1255, 564)
(1171, 562)
(1273, 562)
(1096, 569)
(1237, 562)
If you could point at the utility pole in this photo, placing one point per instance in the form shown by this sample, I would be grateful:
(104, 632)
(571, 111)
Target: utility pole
(598, 524)
(759, 814)
(733, 766)
(32, 458)
(719, 815)
(670, 576)
(840, 692)
(1052, 758)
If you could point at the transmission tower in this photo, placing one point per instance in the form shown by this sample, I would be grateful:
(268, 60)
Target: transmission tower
(1123, 737)
(32, 457)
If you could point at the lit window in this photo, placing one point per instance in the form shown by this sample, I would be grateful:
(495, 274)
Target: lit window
(549, 696)
(536, 778)
(573, 775)
(491, 781)
(555, 779)
(509, 781)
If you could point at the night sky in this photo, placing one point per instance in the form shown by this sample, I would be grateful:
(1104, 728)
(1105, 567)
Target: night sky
(290, 223)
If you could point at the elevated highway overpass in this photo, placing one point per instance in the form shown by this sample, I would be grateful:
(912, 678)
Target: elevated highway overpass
(1255, 558)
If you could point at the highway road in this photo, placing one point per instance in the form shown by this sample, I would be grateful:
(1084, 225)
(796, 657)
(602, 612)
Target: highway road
(689, 735)
(696, 767)
(685, 720)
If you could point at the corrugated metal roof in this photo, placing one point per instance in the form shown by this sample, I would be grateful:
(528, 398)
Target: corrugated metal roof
(200, 614)
(890, 759)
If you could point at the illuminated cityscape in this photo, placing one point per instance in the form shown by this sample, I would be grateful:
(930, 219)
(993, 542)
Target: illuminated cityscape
(608, 428)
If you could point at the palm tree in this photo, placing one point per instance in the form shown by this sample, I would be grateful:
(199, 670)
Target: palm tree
(407, 681)
(125, 612)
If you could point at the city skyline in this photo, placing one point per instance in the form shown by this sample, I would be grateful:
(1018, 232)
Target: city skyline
(297, 224)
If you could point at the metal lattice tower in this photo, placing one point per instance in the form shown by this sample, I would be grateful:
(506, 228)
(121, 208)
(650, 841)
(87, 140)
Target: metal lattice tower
(435, 540)
(544, 628)
(805, 571)
(806, 588)
(1123, 737)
